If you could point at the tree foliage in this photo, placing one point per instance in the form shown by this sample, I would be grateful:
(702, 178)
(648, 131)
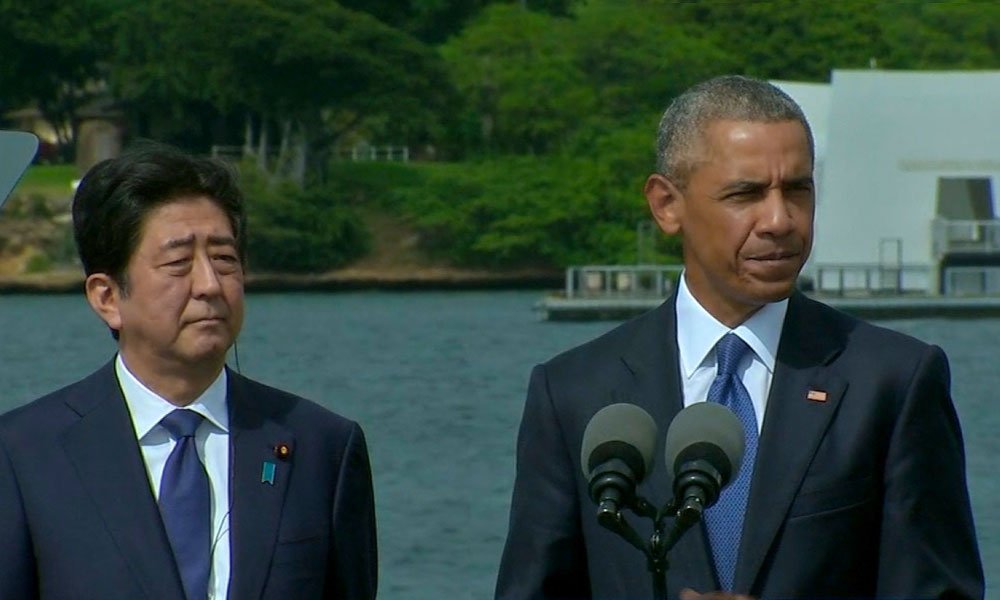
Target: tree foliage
(295, 231)
(52, 58)
(551, 105)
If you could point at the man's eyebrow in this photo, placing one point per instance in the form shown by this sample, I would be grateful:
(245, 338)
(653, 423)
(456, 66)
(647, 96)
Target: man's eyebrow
(749, 185)
(798, 182)
(188, 240)
(744, 185)
(170, 244)
(221, 240)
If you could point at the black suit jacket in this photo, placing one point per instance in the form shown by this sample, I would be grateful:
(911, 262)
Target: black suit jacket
(860, 496)
(78, 518)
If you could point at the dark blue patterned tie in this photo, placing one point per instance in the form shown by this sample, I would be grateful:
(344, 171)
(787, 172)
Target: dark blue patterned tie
(185, 504)
(725, 519)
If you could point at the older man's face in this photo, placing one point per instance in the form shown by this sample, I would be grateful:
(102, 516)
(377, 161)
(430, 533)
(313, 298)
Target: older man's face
(183, 305)
(746, 215)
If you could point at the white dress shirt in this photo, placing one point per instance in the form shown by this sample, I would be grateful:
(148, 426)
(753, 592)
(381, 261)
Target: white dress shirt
(697, 334)
(212, 440)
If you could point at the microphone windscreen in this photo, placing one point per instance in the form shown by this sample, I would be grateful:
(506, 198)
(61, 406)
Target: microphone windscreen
(707, 431)
(619, 431)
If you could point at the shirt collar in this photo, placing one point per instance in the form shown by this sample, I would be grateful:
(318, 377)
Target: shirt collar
(698, 331)
(147, 408)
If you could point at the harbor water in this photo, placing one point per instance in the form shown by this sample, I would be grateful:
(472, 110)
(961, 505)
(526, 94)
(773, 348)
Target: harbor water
(437, 381)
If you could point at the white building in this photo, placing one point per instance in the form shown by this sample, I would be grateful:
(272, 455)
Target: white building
(908, 168)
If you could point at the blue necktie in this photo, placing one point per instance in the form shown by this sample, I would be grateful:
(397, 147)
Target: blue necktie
(185, 504)
(725, 519)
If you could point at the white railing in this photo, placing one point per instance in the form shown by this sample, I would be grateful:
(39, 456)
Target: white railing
(846, 279)
(374, 153)
(981, 236)
(621, 281)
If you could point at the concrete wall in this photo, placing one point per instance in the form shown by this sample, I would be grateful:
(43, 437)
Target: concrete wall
(891, 135)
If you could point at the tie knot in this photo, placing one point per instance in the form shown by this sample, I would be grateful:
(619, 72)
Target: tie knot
(729, 352)
(182, 423)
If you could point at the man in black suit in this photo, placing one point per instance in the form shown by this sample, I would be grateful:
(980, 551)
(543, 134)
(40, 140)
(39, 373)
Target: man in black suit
(164, 474)
(855, 474)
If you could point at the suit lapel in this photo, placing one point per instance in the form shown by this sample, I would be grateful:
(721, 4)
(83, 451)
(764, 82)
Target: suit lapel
(103, 448)
(793, 427)
(256, 502)
(653, 360)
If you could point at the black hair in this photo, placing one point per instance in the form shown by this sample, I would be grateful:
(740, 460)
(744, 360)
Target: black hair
(115, 197)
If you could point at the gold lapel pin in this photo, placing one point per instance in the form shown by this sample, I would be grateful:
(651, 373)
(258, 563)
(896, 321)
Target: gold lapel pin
(282, 451)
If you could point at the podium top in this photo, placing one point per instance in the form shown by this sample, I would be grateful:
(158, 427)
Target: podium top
(17, 149)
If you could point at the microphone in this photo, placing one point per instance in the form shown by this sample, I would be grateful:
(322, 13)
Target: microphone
(704, 449)
(616, 456)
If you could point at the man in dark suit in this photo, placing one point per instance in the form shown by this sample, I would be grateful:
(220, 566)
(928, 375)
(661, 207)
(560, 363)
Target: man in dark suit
(164, 474)
(854, 479)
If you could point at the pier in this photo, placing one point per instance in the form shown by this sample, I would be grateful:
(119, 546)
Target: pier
(619, 292)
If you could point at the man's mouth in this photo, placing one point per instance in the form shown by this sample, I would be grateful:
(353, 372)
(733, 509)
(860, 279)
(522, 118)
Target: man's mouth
(779, 255)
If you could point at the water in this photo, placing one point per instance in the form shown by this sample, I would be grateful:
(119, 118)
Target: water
(437, 380)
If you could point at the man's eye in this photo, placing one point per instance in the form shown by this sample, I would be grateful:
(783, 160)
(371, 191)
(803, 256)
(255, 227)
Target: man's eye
(743, 195)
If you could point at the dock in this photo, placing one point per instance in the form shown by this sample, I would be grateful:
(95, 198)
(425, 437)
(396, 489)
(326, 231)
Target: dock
(617, 293)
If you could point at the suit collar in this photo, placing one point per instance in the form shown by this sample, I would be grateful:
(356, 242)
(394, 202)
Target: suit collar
(698, 331)
(103, 448)
(651, 355)
(812, 337)
(256, 496)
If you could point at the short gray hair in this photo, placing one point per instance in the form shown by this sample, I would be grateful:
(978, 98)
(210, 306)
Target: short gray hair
(729, 97)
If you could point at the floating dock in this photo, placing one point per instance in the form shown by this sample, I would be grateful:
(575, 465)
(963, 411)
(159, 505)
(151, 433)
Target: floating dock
(616, 293)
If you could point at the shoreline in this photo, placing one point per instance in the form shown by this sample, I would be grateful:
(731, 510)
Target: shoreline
(343, 280)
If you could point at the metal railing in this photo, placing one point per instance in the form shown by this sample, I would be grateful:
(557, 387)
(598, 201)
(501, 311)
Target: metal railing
(621, 281)
(869, 279)
(982, 236)
(374, 153)
(971, 281)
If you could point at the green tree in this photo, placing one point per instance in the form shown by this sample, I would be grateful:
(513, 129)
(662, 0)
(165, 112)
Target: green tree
(52, 58)
(524, 92)
(941, 35)
(637, 58)
(306, 72)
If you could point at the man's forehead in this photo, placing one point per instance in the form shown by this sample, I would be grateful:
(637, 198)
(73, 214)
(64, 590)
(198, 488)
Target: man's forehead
(185, 220)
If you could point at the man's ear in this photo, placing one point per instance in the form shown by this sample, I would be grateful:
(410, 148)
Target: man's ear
(665, 202)
(104, 296)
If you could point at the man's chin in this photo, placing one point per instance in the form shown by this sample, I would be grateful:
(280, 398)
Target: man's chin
(211, 351)
(766, 292)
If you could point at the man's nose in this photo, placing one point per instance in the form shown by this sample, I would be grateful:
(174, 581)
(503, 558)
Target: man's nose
(205, 279)
(776, 217)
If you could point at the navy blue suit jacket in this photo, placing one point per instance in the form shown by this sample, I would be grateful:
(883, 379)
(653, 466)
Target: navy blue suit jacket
(78, 518)
(860, 496)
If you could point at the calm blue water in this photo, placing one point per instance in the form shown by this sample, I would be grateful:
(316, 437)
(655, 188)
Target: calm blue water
(437, 380)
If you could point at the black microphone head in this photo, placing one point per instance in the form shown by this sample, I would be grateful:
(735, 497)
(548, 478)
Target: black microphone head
(706, 431)
(619, 431)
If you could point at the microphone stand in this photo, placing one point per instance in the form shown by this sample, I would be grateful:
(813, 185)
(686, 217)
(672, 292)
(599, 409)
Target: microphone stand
(661, 541)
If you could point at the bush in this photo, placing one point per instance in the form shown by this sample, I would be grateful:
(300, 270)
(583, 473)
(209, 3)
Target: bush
(38, 263)
(299, 231)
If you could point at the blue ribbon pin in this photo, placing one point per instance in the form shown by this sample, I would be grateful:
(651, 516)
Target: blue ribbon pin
(267, 473)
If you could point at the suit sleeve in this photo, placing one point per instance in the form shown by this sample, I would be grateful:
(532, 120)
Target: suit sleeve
(544, 557)
(928, 542)
(354, 551)
(17, 562)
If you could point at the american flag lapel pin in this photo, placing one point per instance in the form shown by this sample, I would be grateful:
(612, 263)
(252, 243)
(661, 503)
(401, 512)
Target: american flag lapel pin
(816, 395)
